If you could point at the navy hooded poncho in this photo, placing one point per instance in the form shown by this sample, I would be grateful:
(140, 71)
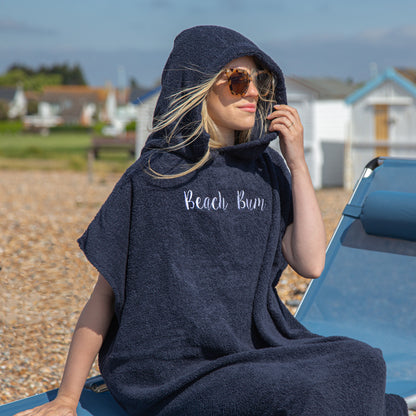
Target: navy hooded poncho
(193, 263)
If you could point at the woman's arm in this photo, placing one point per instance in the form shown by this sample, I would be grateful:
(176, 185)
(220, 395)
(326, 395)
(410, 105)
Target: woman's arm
(88, 337)
(304, 242)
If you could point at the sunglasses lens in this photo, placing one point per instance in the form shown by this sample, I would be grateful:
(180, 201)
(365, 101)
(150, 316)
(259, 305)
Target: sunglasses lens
(264, 83)
(239, 82)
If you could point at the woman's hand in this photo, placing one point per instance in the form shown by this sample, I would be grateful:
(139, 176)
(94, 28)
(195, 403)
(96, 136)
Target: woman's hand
(58, 407)
(286, 121)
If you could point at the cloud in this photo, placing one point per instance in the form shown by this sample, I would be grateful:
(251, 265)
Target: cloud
(15, 27)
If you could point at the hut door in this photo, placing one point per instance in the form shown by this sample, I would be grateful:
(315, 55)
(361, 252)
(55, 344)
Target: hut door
(381, 119)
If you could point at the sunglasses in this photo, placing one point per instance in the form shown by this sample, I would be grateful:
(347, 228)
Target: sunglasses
(239, 81)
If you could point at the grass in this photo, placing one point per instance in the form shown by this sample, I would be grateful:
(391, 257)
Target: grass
(62, 151)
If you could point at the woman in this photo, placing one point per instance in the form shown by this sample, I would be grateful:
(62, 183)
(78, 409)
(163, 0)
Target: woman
(192, 242)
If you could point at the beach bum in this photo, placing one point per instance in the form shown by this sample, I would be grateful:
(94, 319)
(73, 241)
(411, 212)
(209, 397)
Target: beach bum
(218, 202)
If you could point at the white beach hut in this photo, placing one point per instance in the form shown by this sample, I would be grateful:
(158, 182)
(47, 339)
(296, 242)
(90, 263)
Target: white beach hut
(321, 105)
(383, 120)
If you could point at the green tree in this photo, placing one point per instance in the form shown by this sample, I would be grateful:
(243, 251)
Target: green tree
(30, 82)
(75, 77)
(25, 69)
(31, 79)
(13, 77)
(70, 75)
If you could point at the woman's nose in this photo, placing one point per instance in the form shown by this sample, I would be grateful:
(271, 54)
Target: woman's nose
(252, 90)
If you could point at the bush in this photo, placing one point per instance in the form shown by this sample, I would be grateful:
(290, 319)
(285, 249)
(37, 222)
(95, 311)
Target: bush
(131, 126)
(98, 127)
(70, 128)
(11, 126)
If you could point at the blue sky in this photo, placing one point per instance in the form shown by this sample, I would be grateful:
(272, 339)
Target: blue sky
(116, 40)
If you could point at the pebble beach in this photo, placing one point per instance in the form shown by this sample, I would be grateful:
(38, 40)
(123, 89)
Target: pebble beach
(46, 280)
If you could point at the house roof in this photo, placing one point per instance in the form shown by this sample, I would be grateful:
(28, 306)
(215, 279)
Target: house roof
(139, 95)
(137, 92)
(72, 98)
(409, 73)
(327, 88)
(7, 93)
(405, 78)
(57, 92)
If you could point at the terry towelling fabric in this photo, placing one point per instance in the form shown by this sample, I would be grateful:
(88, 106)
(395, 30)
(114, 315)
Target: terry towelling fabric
(193, 262)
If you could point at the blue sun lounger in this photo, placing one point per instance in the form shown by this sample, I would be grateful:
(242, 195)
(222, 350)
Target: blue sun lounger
(95, 401)
(367, 290)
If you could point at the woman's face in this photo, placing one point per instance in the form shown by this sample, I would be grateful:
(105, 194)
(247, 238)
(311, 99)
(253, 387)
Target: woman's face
(232, 112)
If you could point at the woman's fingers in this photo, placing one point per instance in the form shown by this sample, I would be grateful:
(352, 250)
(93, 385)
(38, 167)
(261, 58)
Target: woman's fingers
(283, 116)
(286, 121)
(49, 409)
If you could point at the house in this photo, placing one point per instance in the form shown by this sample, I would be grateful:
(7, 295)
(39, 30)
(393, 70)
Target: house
(6, 97)
(139, 108)
(145, 101)
(383, 120)
(15, 100)
(122, 112)
(73, 104)
(43, 120)
(321, 105)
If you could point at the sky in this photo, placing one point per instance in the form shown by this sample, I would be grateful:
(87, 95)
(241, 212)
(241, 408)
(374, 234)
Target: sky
(116, 40)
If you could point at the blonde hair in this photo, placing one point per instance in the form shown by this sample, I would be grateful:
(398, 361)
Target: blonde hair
(185, 101)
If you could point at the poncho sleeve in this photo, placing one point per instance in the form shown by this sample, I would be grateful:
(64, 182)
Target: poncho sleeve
(105, 242)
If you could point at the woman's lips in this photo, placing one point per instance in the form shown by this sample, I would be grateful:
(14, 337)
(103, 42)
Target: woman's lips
(251, 108)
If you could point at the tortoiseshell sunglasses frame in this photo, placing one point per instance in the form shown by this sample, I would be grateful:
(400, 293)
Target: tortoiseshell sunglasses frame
(230, 71)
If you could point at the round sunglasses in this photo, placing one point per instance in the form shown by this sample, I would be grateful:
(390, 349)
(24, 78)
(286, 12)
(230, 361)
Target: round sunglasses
(239, 81)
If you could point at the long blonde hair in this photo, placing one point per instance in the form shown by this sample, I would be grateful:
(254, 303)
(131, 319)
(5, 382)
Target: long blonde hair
(186, 100)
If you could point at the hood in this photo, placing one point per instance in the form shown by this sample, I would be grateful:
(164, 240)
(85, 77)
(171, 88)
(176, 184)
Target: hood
(198, 54)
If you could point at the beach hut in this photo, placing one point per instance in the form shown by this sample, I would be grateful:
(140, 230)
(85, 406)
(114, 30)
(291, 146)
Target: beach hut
(321, 105)
(146, 103)
(383, 120)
